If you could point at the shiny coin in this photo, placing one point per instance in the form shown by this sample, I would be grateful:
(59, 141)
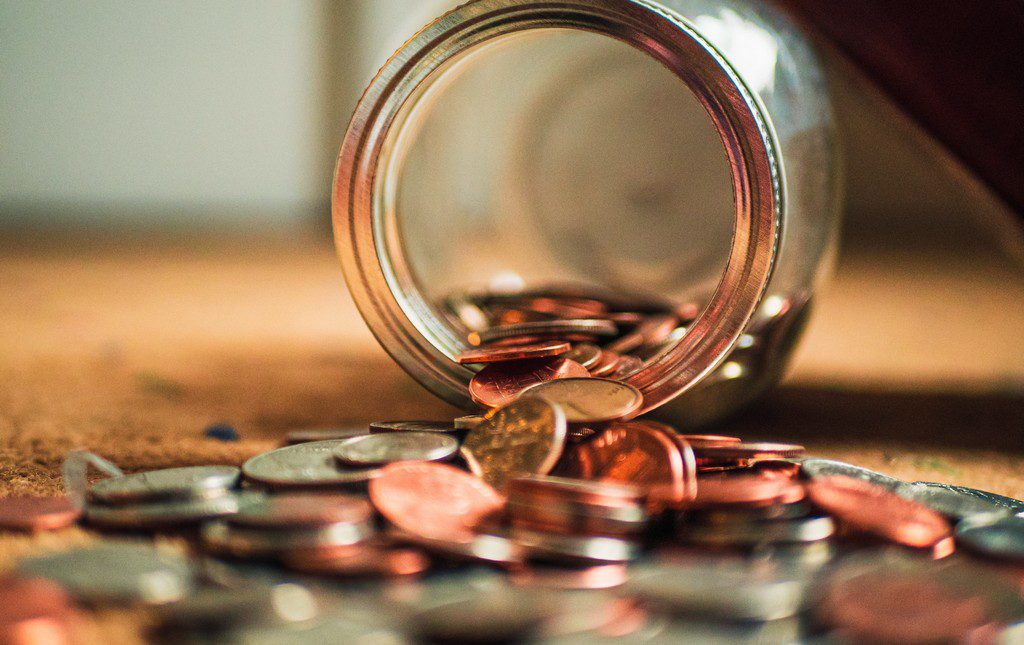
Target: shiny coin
(585, 354)
(1010, 504)
(636, 454)
(170, 513)
(34, 611)
(571, 506)
(37, 513)
(468, 422)
(499, 384)
(544, 329)
(115, 573)
(878, 511)
(170, 483)
(413, 426)
(654, 330)
(746, 534)
(589, 400)
(385, 448)
(513, 353)
(549, 546)
(526, 437)
(322, 434)
(994, 536)
(601, 576)
(606, 364)
(724, 588)
(291, 510)
(483, 547)
(245, 542)
(747, 451)
(813, 468)
(628, 366)
(949, 500)
(305, 465)
(745, 490)
(361, 562)
(433, 500)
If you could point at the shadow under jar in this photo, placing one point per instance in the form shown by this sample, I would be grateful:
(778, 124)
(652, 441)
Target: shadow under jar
(677, 151)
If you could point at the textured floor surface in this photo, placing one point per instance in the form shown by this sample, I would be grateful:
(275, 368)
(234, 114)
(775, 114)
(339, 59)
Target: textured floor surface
(912, 366)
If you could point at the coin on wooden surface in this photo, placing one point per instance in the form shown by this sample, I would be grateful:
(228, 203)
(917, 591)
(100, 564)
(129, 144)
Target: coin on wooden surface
(1009, 504)
(304, 465)
(526, 437)
(247, 542)
(513, 352)
(951, 501)
(115, 572)
(747, 534)
(389, 447)
(500, 383)
(575, 548)
(747, 451)
(25, 513)
(433, 500)
(872, 509)
(307, 435)
(815, 467)
(413, 426)
(291, 510)
(746, 490)
(164, 513)
(165, 484)
(483, 547)
(589, 400)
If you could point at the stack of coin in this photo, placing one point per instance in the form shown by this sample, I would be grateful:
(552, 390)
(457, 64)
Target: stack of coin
(163, 498)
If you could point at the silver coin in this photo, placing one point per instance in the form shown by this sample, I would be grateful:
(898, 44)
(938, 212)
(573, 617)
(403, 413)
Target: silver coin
(484, 547)
(158, 514)
(813, 467)
(305, 465)
(1012, 505)
(501, 616)
(308, 435)
(951, 501)
(468, 422)
(588, 326)
(996, 536)
(379, 449)
(115, 572)
(244, 542)
(326, 630)
(168, 483)
(732, 589)
(588, 400)
(413, 426)
(253, 604)
(576, 548)
(742, 533)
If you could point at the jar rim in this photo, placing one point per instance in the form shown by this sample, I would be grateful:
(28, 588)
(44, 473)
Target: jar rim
(381, 284)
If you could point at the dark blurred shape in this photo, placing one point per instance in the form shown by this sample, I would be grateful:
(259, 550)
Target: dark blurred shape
(955, 67)
(221, 432)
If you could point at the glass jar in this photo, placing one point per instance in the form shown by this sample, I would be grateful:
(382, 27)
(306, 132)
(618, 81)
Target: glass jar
(677, 149)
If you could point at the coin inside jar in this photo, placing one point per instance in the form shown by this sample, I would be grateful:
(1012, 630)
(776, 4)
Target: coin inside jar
(589, 400)
(498, 384)
(168, 483)
(544, 329)
(513, 353)
(379, 449)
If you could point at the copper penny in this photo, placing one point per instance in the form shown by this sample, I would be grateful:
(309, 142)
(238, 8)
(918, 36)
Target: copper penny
(25, 513)
(589, 400)
(637, 454)
(585, 354)
(526, 437)
(545, 329)
(652, 331)
(433, 500)
(566, 307)
(601, 576)
(606, 364)
(513, 353)
(709, 440)
(726, 452)
(290, 510)
(628, 366)
(875, 510)
(34, 610)
(358, 562)
(498, 384)
(746, 490)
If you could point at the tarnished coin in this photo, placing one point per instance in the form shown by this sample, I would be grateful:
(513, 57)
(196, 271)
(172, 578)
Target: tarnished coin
(545, 329)
(513, 353)
(589, 400)
(499, 384)
(526, 437)
(305, 465)
(168, 513)
(166, 484)
(878, 511)
(468, 422)
(433, 500)
(247, 542)
(386, 448)
(34, 611)
(413, 426)
(637, 454)
(814, 467)
(22, 513)
(322, 434)
(585, 354)
(292, 510)
(949, 500)
(746, 534)
(994, 536)
(114, 572)
(364, 562)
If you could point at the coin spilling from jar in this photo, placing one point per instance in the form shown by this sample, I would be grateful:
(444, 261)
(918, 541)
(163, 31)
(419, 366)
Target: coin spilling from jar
(554, 515)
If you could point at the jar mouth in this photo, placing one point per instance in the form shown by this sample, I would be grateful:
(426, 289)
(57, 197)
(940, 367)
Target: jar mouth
(378, 274)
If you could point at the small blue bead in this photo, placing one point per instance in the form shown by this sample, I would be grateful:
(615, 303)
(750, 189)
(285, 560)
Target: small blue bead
(221, 432)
